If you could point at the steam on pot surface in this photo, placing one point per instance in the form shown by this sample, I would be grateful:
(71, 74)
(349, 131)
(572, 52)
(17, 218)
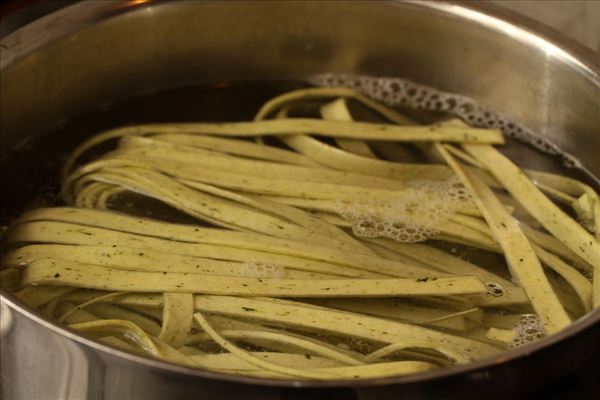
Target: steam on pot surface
(357, 228)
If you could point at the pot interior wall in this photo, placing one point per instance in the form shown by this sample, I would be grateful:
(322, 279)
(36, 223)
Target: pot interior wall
(174, 43)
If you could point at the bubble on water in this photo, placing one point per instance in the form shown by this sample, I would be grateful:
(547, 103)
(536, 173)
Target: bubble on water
(413, 216)
(494, 290)
(263, 270)
(396, 92)
(528, 330)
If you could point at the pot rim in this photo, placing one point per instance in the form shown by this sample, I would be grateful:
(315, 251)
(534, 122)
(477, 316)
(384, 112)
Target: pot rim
(70, 19)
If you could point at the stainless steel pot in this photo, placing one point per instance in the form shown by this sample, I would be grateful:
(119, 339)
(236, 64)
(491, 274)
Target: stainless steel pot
(99, 51)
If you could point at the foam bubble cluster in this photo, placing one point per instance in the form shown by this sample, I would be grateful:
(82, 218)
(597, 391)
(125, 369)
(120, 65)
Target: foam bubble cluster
(263, 270)
(494, 290)
(396, 92)
(414, 216)
(528, 330)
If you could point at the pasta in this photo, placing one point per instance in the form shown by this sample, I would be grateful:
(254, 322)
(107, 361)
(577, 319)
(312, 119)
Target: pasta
(307, 256)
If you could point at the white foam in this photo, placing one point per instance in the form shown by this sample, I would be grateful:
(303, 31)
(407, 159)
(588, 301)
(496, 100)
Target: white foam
(494, 289)
(529, 329)
(414, 216)
(396, 92)
(263, 270)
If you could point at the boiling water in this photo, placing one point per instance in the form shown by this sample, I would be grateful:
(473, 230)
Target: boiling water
(30, 172)
(413, 217)
(405, 94)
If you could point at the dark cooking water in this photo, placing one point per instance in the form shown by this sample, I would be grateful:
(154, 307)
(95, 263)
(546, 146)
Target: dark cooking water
(30, 172)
